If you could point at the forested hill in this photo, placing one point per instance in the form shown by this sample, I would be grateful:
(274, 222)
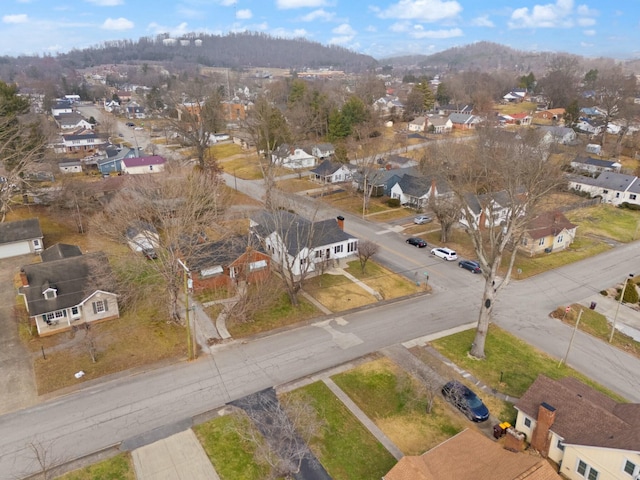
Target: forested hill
(233, 51)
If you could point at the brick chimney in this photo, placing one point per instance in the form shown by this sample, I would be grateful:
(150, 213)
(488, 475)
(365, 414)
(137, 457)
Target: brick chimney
(541, 436)
(514, 440)
(23, 278)
(340, 220)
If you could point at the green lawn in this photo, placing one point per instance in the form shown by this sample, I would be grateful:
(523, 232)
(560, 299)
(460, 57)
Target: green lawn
(231, 455)
(517, 362)
(116, 468)
(345, 448)
(608, 221)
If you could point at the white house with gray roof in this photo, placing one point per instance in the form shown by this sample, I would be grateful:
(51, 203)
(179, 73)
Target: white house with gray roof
(415, 192)
(20, 237)
(595, 165)
(612, 187)
(301, 246)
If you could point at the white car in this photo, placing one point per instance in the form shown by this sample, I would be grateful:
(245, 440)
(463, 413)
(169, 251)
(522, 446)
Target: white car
(422, 219)
(445, 253)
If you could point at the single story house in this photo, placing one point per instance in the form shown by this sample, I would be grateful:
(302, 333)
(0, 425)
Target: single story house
(70, 166)
(61, 106)
(562, 135)
(464, 121)
(548, 232)
(20, 237)
(142, 165)
(301, 247)
(380, 180)
(415, 192)
(65, 292)
(323, 150)
(332, 172)
(135, 111)
(471, 455)
(455, 108)
(418, 124)
(515, 95)
(595, 165)
(614, 188)
(226, 262)
(394, 161)
(588, 434)
(69, 121)
(439, 124)
(112, 163)
(587, 125)
(292, 157)
(553, 114)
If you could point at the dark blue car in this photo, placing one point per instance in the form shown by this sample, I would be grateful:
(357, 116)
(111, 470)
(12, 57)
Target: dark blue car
(465, 400)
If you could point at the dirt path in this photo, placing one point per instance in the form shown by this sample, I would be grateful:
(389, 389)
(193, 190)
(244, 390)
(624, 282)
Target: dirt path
(17, 382)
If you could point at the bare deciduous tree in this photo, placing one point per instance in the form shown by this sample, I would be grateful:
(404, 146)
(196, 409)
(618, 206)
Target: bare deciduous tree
(366, 250)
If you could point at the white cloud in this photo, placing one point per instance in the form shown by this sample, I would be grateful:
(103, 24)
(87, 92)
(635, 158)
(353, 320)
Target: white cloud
(419, 32)
(344, 29)
(482, 21)
(586, 22)
(117, 24)
(422, 10)
(586, 11)
(284, 33)
(400, 27)
(19, 18)
(543, 16)
(288, 4)
(319, 14)
(244, 14)
(371, 28)
(227, 3)
(173, 31)
(589, 33)
(106, 3)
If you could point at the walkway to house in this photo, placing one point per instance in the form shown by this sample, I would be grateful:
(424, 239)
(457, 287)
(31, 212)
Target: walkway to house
(361, 284)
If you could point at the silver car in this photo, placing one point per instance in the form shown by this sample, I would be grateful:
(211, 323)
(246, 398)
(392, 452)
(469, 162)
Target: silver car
(422, 219)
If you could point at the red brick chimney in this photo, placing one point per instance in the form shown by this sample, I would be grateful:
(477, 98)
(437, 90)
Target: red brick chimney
(340, 220)
(23, 278)
(514, 440)
(541, 437)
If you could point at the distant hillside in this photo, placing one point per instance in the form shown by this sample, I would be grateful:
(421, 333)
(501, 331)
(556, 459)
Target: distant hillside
(484, 56)
(232, 51)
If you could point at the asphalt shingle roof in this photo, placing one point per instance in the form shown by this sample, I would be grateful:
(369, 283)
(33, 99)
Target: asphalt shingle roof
(20, 230)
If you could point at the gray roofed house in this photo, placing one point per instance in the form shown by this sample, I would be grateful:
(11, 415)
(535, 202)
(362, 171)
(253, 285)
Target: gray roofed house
(70, 166)
(382, 179)
(332, 172)
(486, 210)
(62, 293)
(60, 251)
(323, 150)
(572, 424)
(112, 163)
(299, 245)
(143, 165)
(20, 237)
(415, 191)
(614, 188)
(464, 120)
(595, 165)
(556, 134)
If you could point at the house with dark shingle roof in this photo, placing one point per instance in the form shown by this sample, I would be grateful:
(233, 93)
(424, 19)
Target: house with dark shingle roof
(471, 455)
(595, 165)
(548, 232)
(415, 191)
(68, 289)
(20, 237)
(587, 433)
(612, 187)
(142, 165)
(487, 210)
(302, 246)
(332, 172)
(226, 262)
(464, 121)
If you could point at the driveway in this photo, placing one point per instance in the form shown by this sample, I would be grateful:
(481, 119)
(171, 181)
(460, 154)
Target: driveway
(17, 382)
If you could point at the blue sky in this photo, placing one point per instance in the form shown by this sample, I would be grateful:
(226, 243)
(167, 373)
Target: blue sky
(376, 27)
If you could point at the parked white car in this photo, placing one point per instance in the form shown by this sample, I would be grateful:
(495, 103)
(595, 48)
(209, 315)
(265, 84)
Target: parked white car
(445, 253)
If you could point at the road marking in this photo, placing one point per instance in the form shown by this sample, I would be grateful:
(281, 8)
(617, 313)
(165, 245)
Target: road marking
(341, 339)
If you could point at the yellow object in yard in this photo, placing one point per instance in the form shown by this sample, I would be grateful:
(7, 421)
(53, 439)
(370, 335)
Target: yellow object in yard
(505, 425)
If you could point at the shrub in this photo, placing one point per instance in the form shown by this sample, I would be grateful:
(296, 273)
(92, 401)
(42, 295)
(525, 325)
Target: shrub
(630, 293)
(629, 206)
(604, 293)
(393, 202)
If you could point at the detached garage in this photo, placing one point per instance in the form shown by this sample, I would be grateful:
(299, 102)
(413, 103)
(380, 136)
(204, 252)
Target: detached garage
(20, 238)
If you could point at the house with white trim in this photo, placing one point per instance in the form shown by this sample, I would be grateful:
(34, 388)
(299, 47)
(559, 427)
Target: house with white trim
(486, 210)
(20, 237)
(415, 192)
(80, 141)
(143, 165)
(612, 187)
(333, 172)
(595, 165)
(292, 157)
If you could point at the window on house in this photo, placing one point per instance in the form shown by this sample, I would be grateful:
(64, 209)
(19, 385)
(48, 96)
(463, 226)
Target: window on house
(578, 187)
(318, 253)
(527, 422)
(632, 196)
(59, 314)
(100, 306)
(259, 265)
(49, 294)
(303, 262)
(617, 194)
(75, 311)
(605, 191)
(541, 241)
(630, 467)
(559, 238)
(352, 247)
(337, 249)
(560, 445)
(586, 471)
(50, 316)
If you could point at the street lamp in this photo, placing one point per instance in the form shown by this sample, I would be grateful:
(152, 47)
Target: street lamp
(615, 317)
(190, 349)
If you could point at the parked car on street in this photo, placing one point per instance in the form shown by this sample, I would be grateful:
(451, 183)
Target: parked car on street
(416, 242)
(444, 252)
(422, 219)
(461, 397)
(130, 124)
(471, 265)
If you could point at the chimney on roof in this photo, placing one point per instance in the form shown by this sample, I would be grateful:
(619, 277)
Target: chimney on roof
(541, 437)
(23, 278)
(340, 220)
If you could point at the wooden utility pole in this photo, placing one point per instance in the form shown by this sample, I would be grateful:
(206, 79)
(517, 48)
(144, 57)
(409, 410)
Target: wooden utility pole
(575, 329)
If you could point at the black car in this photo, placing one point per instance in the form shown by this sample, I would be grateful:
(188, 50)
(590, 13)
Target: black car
(465, 400)
(130, 124)
(416, 242)
(472, 266)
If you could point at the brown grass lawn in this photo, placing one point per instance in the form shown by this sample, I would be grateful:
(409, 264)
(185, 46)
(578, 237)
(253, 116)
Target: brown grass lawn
(511, 108)
(392, 214)
(352, 203)
(294, 185)
(246, 168)
(139, 337)
(384, 281)
(607, 221)
(337, 292)
(225, 150)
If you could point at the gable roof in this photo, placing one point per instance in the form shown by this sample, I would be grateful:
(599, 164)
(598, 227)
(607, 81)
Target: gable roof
(596, 162)
(557, 131)
(438, 121)
(143, 161)
(462, 118)
(74, 278)
(222, 252)
(327, 167)
(20, 230)
(548, 223)
(471, 455)
(475, 202)
(60, 251)
(584, 416)
(615, 181)
(297, 232)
